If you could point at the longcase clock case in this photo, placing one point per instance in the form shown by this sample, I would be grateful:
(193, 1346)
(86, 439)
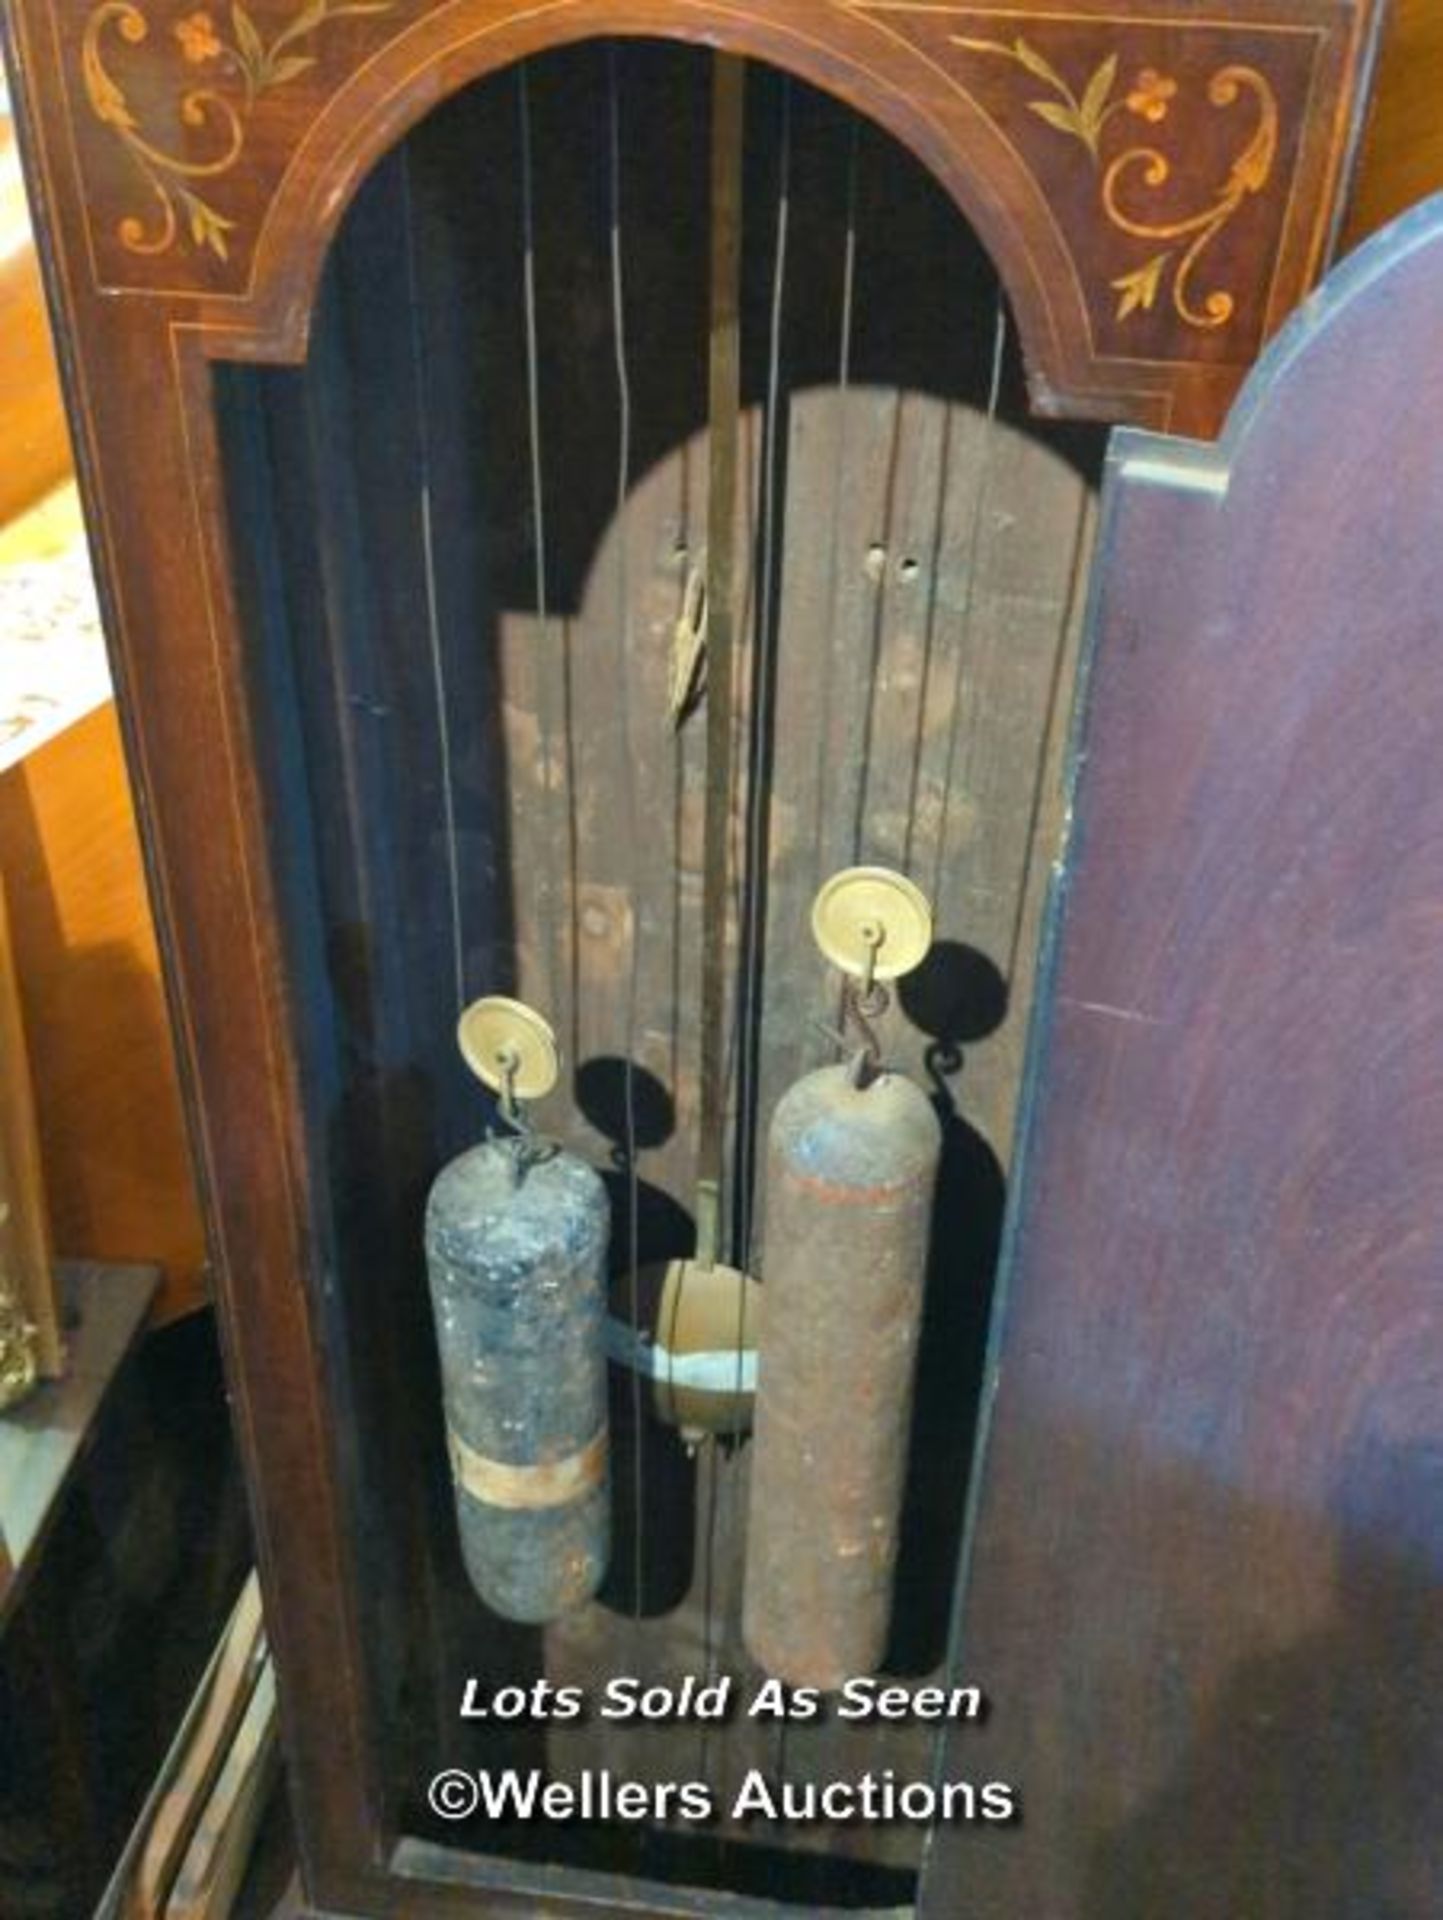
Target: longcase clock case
(385, 332)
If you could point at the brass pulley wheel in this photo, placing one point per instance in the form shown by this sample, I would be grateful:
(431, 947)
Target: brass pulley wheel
(709, 1310)
(509, 1047)
(872, 923)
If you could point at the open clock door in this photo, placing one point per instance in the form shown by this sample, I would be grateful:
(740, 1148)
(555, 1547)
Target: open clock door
(1207, 1597)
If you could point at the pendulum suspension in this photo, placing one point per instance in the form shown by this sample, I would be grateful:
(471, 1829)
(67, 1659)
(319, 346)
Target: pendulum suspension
(516, 1237)
(708, 1310)
(851, 1166)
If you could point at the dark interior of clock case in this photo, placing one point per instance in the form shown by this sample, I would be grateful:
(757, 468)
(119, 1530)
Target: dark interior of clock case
(465, 531)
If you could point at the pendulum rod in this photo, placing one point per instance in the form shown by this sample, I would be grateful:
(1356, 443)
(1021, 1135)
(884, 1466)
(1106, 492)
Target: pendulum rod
(728, 106)
(623, 483)
(758, 795)
(723, 411)
(969, 597)
(428, 553)
(554, 796)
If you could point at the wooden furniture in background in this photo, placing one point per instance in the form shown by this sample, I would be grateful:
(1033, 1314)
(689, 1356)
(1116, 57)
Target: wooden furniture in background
(43, 1441)
(186, 1855)
(34, 440)
(28, 1293)
(135, 1545)
(112, 1135)
(118, 1175)
(215, 1863)
(1402, 157)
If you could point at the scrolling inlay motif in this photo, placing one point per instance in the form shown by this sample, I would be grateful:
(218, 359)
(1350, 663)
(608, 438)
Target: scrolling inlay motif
(246, 59)
(1156, 184)
(1085, 118)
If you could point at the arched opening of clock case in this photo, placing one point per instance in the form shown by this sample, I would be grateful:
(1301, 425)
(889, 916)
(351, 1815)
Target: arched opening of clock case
(465, 531)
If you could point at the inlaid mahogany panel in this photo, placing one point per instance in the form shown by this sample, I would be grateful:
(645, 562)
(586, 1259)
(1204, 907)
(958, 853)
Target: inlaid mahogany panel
(1158, 185)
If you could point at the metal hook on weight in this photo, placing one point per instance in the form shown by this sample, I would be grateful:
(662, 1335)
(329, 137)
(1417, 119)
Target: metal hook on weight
(860, 1009)
(863, 1003)
(529, 1147)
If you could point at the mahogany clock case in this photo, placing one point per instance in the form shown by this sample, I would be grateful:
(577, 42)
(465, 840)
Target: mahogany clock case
(394, 621)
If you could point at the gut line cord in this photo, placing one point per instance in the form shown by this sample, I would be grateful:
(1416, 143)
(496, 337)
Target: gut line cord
(936, 538)
(542, 654)
(839, 478)
(428, 552)
(969, 598)
(623, 479)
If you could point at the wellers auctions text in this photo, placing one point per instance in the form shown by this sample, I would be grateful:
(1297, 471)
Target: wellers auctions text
(879, 1795)
(518, 1794)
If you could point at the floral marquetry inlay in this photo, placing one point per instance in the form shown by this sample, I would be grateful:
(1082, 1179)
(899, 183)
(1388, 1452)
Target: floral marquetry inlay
(1155, 181)
(240, 66)
(1087, 114)
(1163, 147)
